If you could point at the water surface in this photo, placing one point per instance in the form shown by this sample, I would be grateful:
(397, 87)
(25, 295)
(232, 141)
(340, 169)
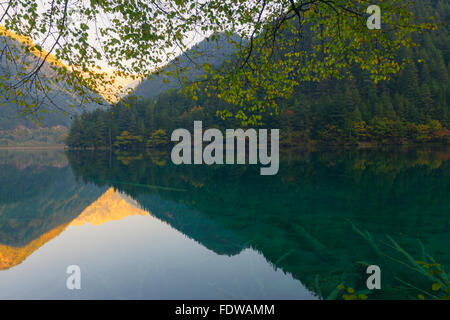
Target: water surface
(142, 228)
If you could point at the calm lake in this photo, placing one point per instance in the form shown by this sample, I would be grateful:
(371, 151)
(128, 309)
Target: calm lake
(140, 227)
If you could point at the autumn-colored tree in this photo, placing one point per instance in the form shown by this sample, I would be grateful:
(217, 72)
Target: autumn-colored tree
(126, 140)
(158, 139)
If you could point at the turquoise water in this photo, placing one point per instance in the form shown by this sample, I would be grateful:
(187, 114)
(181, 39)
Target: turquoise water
(141, 228)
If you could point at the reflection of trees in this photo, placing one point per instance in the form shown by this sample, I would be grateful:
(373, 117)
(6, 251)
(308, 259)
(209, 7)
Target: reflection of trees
(27, 173)
(38, 198)
(300, 218)
(35, 158)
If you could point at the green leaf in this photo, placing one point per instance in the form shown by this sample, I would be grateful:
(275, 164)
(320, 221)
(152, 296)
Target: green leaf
(436, 286)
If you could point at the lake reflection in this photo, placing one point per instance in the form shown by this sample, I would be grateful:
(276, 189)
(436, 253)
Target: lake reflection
(142, 228)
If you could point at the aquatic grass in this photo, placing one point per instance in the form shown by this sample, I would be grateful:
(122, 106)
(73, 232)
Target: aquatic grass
(368, 237)
(334, 294)
(317, 288)
(283, 256)
(428, 267)
(414, 265)
(318, 246)
(416, 288)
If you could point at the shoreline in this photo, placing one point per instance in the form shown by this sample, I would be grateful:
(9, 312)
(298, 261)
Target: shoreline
(286, 148)
(41, 147)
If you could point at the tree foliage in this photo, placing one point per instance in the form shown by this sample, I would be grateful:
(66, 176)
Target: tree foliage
(279, 45)
(412, 107)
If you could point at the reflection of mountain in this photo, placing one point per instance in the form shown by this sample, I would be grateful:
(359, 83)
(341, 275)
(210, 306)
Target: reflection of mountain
(11, 256)
(110, 206)
(47, 198)
(37, 201)
(193, 223)
(299, 219)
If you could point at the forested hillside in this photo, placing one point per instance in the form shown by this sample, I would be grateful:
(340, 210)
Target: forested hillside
(411, 108)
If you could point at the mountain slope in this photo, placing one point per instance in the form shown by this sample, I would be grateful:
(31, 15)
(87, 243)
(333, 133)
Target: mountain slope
(214, 52)
(59, 98)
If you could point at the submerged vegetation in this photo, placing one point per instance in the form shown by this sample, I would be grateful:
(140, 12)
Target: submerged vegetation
(419, 279)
